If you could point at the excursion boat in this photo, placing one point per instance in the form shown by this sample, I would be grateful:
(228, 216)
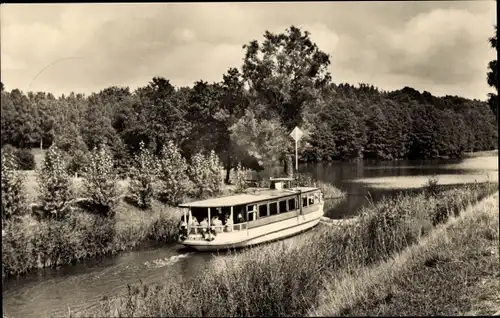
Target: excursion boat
(251, 218)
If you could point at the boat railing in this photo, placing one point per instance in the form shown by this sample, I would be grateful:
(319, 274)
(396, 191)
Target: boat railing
(199, 229)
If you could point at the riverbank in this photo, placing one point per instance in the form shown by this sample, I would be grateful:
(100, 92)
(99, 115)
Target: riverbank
(285, 279)
(30, 243)
(454, 271)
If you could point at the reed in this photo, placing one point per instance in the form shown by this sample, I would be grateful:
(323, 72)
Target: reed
(286, 279)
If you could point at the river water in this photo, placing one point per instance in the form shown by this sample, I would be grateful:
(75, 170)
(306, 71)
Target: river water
(50, 292)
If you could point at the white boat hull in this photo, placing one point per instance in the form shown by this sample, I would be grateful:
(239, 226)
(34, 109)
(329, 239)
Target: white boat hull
(258, 235)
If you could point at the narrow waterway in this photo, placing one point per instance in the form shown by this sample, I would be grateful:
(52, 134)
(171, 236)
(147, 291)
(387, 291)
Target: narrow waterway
(52, 291)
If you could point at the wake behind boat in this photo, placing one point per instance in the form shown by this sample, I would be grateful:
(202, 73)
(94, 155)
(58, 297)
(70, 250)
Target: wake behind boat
(251, 218)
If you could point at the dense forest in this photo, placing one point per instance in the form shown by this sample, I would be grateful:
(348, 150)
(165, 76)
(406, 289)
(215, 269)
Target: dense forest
(247, 117)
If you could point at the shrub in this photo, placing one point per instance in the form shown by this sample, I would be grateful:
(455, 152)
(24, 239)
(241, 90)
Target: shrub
(206, 175)
(143, 175)
(215, 177)
(25, 159)
(172, 174)
(432, 187)
(77, 162)
(56, 193)
(13, 192)
(241, 175)
(100, 182)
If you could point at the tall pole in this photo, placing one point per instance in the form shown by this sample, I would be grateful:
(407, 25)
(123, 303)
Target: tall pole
(296, 158)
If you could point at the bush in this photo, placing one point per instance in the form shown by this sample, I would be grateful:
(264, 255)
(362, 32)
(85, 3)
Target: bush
(172, 174)
(14, 202)
(101, 182)
(143, 175)
(77, 162)
(25, 159)
(241, 176)
(206, 173)
(432, 187)
(56, 193)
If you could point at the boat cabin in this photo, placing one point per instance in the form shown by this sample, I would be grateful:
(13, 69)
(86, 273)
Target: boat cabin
(249, 210)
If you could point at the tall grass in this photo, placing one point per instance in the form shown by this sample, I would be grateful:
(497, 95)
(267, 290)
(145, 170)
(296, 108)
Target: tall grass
(285, 280)
(450, 272)
(30, 243)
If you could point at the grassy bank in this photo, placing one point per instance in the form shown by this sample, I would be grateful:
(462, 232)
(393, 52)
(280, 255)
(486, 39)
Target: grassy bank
(285, 280)
(454, 271)
(30, 243)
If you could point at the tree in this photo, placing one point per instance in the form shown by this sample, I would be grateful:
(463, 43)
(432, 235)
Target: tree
(203, 104)
(143, 176)
(233, 103)
(284, 72)
(14, 201)
(56, 191)
(101, 181)
(492, 77)
(172, 175)
(206, 174)
(265, 140)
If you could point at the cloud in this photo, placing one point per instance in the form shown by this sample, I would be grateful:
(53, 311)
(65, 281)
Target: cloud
(437, 46)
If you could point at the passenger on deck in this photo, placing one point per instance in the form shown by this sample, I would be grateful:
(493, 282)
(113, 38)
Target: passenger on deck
(229, 223)
(216, 224)
(204, 224)
(193, 221)
(240, 218)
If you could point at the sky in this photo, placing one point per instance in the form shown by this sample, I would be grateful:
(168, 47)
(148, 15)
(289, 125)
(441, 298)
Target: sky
(441, 47)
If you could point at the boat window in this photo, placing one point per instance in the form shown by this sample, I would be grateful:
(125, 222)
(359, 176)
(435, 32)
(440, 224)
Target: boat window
(273, 208)
(311, 199)
(239, 214)
(291, 205)
(251, 216)
(283, 208)
(316, 197)
(262, 211)
(304, 201)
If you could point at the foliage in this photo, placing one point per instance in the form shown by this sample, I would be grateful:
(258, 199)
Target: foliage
(56, 192)
(241, 176)
(100, 182)
(206, 173)
(431, 186)
(174, 184)
(77, 162)
(25, 159)
(248, 115)
(14, 201)
(31, 243)
(263, 139)
(143, 175)
(492, 76)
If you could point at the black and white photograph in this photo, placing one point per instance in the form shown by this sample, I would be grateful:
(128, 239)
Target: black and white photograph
(249, 159)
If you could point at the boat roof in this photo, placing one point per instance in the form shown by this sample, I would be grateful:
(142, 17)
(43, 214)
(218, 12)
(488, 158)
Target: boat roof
(281, 179)
(246, 198)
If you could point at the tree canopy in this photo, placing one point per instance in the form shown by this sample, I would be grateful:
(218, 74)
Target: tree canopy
(246, 117)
